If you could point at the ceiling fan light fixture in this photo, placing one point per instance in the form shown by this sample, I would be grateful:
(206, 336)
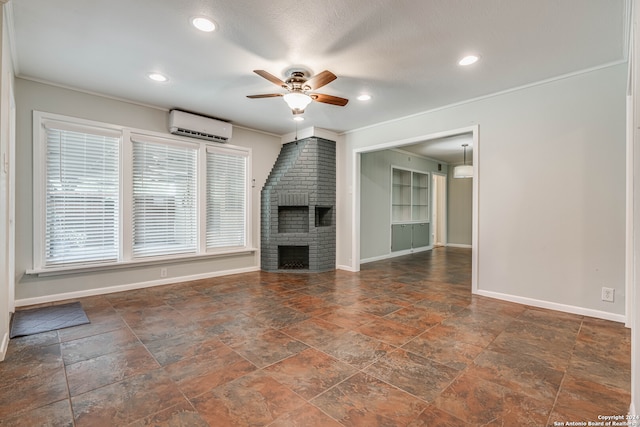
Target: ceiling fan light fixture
(297, 101)
(203, 24)
(364, 97)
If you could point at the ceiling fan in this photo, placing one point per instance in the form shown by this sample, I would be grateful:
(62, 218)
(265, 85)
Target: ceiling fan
(299, 88)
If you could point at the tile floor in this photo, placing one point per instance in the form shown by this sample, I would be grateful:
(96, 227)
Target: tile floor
(402, 343)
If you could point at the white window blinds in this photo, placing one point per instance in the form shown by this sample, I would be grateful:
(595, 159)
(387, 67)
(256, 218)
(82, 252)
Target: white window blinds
(81, 196)
(226, 199)
(107, 195)
(164, 199)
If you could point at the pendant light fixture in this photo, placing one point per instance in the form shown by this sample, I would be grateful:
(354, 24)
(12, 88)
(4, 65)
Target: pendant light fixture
(464, 170)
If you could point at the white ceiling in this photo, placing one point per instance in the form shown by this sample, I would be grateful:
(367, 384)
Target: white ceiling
(402, 52)
(448, 150)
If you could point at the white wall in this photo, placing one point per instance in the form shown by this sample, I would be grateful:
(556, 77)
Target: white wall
(6, 187)
(37, 96)
(551, 188)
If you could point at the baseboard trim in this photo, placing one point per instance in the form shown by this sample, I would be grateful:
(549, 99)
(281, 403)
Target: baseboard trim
(395, 254)
(458, 245)
(375, 258)
(4, 346)
(346, 268)
(129, 287)
(555, 306)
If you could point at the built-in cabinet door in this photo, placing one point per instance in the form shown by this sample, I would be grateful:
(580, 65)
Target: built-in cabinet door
(407, 236)
(420, 196)
(420, 235)
(401, 236)
(401, 195)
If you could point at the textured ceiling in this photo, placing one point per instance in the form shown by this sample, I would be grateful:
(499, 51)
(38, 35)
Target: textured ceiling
(448, 150)
(404, 53)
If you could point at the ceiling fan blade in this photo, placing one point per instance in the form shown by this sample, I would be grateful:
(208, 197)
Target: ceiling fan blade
(273, 79)
(266, 95)
(329, 99)
(320, 80)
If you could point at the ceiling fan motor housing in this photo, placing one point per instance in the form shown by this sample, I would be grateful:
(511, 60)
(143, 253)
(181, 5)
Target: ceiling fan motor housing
(296, 81)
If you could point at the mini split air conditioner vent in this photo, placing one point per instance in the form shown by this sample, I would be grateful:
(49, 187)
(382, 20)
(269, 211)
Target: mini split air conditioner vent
(194, 126)
(198, 134)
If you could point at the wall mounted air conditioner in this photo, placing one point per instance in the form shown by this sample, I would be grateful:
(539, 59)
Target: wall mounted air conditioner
(192, 125)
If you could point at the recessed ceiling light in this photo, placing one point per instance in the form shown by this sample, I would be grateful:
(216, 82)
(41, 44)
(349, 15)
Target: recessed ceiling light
(203, 24)
(157, 77)
(364, 97)
(298, 118)
(468, 60)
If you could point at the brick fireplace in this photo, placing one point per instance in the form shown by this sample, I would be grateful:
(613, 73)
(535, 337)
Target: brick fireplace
(298, 232)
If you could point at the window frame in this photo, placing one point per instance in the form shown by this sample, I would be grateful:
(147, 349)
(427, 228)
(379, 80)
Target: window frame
(125, 250)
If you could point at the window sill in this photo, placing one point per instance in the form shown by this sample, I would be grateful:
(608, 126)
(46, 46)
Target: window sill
(424, 221)
(85, 268)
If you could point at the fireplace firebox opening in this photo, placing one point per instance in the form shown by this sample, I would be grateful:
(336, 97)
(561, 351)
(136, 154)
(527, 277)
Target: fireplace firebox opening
(293, 257)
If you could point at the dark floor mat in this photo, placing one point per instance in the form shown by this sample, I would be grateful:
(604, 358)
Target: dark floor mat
(44, 319)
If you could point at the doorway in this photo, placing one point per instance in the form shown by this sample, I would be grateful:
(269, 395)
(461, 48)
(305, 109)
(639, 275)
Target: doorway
(359, 204)
(439, 215)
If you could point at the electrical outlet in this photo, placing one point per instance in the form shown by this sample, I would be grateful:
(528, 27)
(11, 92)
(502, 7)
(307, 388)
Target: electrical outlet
(608, 294)
(163, 273)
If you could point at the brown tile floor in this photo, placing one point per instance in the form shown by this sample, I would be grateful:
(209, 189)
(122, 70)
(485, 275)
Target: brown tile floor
(402, 343)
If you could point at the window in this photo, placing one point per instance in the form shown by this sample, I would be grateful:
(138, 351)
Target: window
(164, 199)
(226, 198)
(81, 196)
(108, 195)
